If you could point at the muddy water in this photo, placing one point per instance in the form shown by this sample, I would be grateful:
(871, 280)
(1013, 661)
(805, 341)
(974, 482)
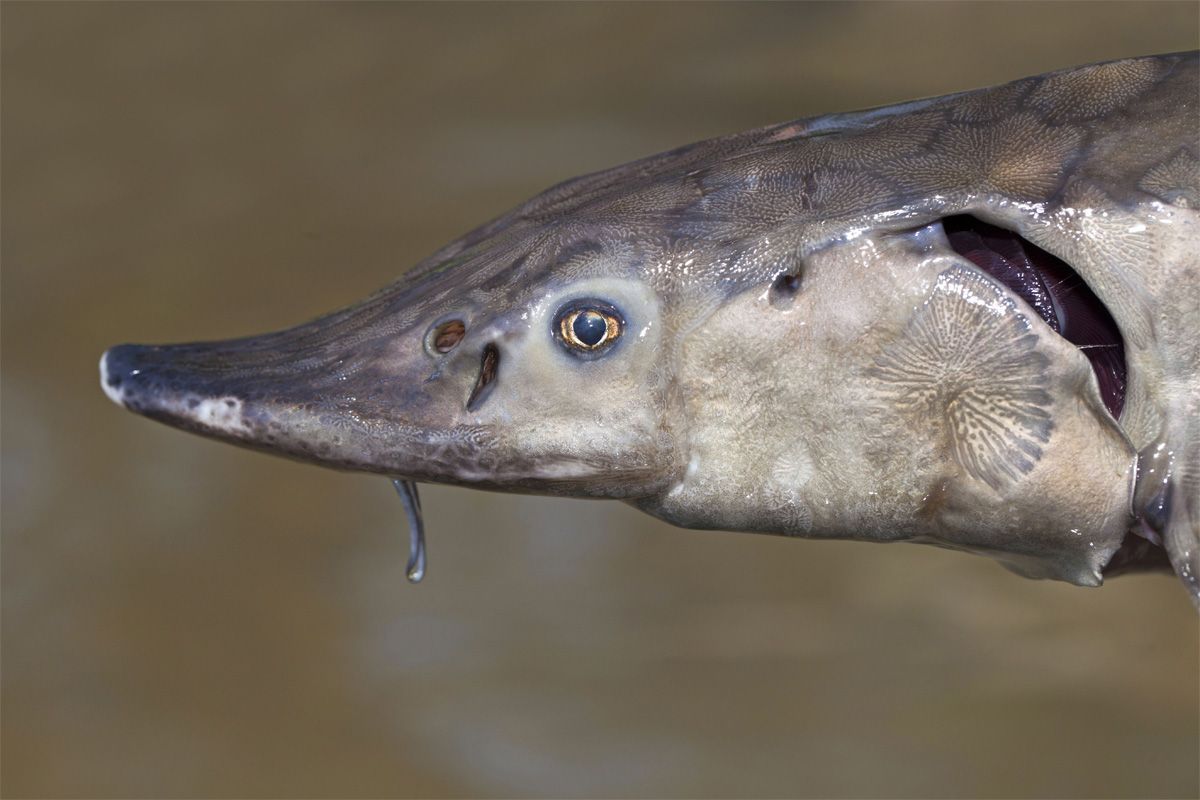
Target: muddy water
(184, 618)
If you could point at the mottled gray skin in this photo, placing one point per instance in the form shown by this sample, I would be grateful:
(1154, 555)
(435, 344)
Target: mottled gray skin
(891, 391)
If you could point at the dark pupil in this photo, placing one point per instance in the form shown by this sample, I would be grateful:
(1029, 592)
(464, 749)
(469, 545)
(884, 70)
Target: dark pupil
(589, 328)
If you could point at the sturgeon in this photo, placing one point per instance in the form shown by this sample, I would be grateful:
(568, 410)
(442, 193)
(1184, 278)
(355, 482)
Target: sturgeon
(970, 321)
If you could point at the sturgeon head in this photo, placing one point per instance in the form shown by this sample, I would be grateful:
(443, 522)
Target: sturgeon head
(968, 321)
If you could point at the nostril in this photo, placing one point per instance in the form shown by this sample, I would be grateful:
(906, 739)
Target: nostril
(784, 289)
(445, 336)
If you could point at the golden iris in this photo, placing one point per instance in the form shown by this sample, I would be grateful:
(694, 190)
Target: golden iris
(589, 329)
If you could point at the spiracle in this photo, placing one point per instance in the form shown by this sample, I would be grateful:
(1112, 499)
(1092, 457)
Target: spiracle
(968, 359)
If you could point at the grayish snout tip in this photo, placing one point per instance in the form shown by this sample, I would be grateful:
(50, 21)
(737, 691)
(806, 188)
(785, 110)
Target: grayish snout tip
(109, 382)
(147, 380)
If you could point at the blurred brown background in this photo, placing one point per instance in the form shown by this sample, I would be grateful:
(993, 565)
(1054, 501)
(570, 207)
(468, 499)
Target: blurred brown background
(182, 618)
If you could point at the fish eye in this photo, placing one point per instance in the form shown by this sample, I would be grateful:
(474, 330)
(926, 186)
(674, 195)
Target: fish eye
(588, 327)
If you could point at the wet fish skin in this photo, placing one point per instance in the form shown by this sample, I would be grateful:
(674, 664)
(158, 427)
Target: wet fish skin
(799, 348)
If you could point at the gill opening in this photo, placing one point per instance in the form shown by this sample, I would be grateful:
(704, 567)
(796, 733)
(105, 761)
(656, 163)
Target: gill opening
(1054, 290)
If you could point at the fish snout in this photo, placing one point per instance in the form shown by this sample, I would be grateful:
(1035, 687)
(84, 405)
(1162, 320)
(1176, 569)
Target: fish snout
(163, 383)
(117, 368)
(368, 405)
